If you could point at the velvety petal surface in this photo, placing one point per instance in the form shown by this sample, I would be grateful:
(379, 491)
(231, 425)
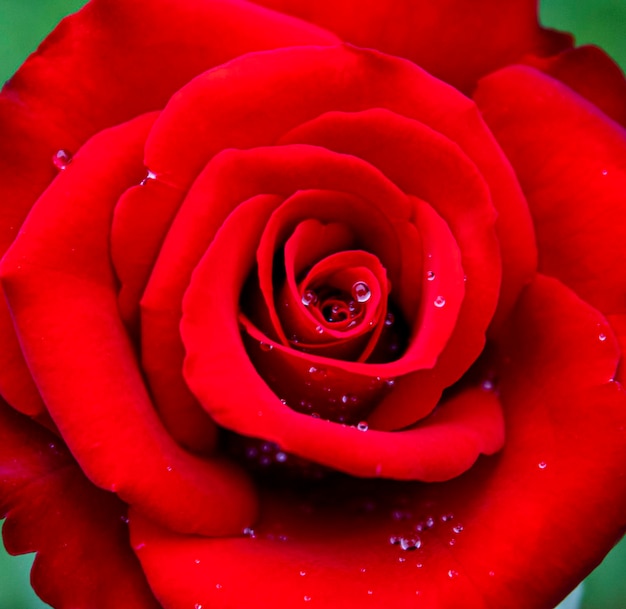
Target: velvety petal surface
(455, 40)
(79, 532)
(571, 161)
(62, 96)
(62, 294)
(478, 541)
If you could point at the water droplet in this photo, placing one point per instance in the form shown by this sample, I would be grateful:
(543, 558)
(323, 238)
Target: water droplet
(390, 382)
(362, 426)
(458, 528)
(315, 415)
(542, 465)
(439, 302)
(197, 606)
(248, 532)
(389, 319)
(602, 337)
(361, 291)
(218, 586)
(169, 468)
(265, 346)
(410, 543)
(370, 592)
(452, 542)
(401, 559)
(492, 573)
(430, 275)
(61, 159)
(197, 561)
(394, 541)
(605, 172)
(319, 329)
(150, 175)
(317, 373)
(309, 297)
(429, 523)
(452, 573)
(447, 517)
(281, 457)
(307, 598)
(487, 385)
(302, 573)
(419, 565)
(363, 569)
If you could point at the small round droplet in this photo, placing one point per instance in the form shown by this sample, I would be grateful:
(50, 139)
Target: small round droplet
(390, 319)
(281, 457)
(309, 297)
(458, 528)
(248, 532)
(319, 329)
(452, 573)
(602, 337)
(394, 541)
(430, 275)
(439, 302)
(218, 586)
(410, 543)
(361, 291)
(605, 172)
(487, 385)
(362, 426)
(492, 573)
(542, 465)
(447, 517)
(61, 159)
(307, 598)
(370, 592)
(430, 523)
(265, 346)
(197, 606)
(302, 573)
(401, 559)
(363, 569)
(150, 175)
(317, 373)
(197, 561)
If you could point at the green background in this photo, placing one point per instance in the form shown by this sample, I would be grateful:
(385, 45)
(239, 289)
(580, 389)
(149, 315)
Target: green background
(24, 23)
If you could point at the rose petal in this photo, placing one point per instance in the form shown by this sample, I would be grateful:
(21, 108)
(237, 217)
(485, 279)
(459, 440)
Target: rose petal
(219, 372)
(79, 532)
(60, 97)
(591, 73)
(486, 543)
(456, 41)
(59, 284)
(571, 162)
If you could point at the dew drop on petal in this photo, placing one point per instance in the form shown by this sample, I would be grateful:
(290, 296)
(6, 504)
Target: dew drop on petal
(302, 573)
(370, 592)
(281, 457)
(150, 175)
(458, 528)
(389, 319)
(542, 465)
(218, 586)
(605, 172)
(309, 297)
(248, 532)
(265, 346)
(307, 598)
(452, 573)
(430, 275)
(362, 426)
(61, 159)
(319, 329)
(410, 543)
(197, 606)
(602, 337)
(361, 291)
(439, 302)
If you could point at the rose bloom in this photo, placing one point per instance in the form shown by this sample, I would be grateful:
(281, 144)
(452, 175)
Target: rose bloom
(312, 304)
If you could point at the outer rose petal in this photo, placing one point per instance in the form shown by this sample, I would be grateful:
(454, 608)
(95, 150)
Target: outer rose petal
(79, 532)
(59, 284)
(486, 544)
(60, 97)
(455, 40)
(571, 162)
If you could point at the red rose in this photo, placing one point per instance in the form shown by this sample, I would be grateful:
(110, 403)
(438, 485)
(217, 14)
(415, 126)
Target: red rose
(316, 326)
